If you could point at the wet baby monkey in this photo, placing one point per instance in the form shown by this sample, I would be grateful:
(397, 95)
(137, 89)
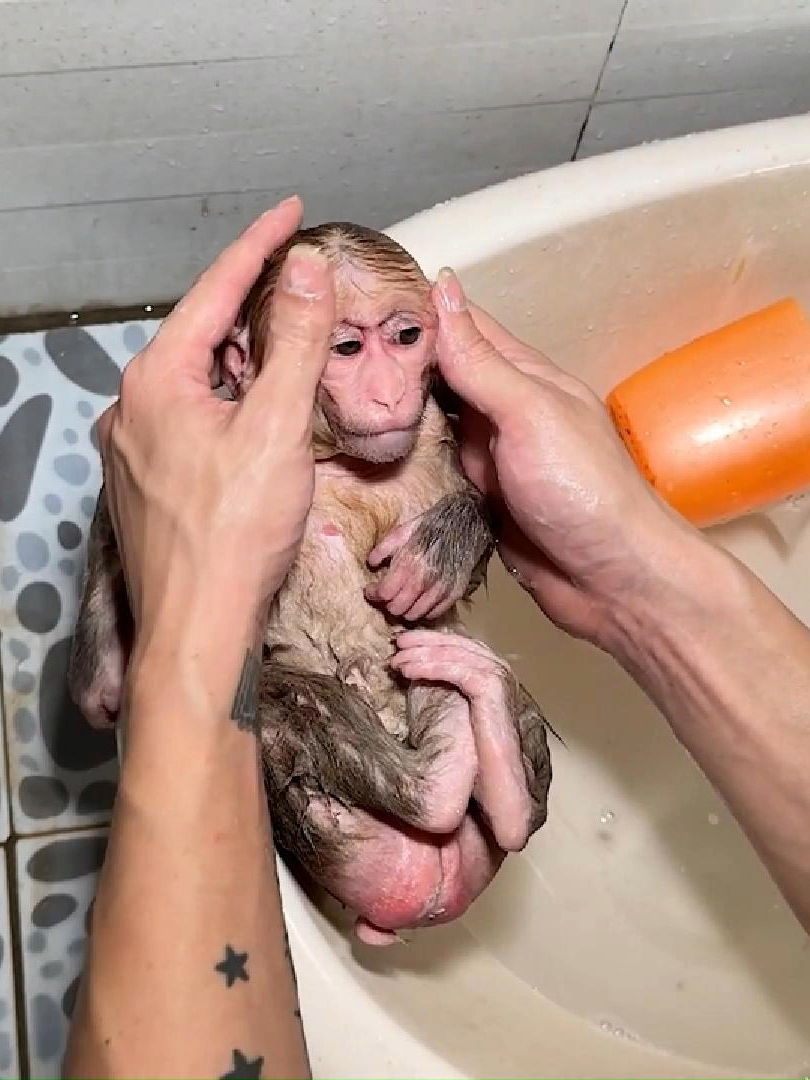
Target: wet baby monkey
(402, 758)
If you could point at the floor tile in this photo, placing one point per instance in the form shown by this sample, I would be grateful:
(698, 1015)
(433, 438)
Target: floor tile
(56, 884)
(53, 386)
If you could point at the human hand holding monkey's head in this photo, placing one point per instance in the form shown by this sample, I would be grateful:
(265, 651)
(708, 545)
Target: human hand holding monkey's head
(580, 528)
(211, 496)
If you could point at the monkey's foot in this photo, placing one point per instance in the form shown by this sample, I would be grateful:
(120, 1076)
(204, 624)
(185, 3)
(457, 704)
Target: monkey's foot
(490, 687)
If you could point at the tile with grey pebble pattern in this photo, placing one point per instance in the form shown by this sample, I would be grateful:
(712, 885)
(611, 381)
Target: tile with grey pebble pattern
(56, 882)
(53, 386)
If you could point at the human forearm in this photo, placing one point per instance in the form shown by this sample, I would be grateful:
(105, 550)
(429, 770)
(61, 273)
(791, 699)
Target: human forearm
(729, 666)
(191, 847)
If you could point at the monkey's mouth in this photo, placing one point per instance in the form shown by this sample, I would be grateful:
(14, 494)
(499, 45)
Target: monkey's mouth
(382, 446)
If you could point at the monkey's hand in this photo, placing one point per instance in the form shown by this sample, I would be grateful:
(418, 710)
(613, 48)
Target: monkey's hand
(436, 558)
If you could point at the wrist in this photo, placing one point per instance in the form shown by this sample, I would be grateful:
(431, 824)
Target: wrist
(679, 587)
(192, 650)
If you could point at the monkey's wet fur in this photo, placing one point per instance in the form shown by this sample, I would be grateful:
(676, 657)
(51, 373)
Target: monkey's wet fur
(398, 773)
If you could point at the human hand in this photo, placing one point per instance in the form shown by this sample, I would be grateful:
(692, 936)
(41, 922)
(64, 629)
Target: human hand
(204, 491)
(580, 528)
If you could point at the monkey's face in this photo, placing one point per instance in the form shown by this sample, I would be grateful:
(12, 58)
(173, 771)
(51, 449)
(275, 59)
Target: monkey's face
(376, 381)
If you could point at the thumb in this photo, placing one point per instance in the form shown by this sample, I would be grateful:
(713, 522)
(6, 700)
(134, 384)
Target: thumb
(469, 362)
(301, 323)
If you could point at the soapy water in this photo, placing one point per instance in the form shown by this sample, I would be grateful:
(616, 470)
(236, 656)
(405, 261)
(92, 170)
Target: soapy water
(620, 1031)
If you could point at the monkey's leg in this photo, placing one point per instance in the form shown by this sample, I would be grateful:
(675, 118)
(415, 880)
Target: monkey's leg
(437, 558)
(320, 735)
(103, 628)
(514, 767)
(342, 791)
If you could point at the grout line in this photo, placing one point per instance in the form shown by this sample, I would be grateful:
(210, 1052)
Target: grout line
(17, 956)
(601, 75)
(38, 321)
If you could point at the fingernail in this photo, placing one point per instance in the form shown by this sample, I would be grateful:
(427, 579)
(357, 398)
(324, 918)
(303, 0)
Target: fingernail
(451, 293)
(302, 273)
(277, 207)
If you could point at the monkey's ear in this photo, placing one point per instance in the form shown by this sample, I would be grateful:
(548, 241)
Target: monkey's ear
(235, 369)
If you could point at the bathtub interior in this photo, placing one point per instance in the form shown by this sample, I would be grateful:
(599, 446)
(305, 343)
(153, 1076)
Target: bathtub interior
(638, 931)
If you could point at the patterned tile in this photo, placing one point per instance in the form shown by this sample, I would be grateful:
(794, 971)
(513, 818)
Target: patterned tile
(53, 386)
(56, 881)
(9, 1049)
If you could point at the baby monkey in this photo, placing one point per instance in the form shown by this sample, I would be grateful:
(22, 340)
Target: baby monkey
(401, 763)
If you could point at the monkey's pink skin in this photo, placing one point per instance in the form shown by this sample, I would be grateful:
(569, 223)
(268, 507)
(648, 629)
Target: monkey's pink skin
(402, 879)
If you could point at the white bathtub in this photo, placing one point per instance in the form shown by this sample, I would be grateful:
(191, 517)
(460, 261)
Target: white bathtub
(637, 936)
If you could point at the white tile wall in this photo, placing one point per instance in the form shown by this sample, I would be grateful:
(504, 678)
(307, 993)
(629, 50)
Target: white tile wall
(136, 137)
(119, 117)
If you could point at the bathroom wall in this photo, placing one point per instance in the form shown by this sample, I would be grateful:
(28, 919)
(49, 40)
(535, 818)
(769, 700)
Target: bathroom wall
(137, 136)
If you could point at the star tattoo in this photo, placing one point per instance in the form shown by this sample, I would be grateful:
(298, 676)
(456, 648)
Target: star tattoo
(244, 1069)
(234, 966)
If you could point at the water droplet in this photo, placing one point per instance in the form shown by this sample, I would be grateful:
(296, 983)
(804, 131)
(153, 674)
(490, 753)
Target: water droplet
(606, 1025)
(606, 817)
(74, 316)
(147, 307)
(713, 819)
(725, 400)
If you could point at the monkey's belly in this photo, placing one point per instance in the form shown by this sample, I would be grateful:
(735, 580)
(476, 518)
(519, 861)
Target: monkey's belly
(353, 644)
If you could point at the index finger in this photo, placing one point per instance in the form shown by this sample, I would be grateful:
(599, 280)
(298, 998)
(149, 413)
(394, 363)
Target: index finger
(209, 309)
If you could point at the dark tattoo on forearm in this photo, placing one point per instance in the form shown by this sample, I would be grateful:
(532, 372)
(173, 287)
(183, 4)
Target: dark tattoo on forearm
(244, 1068)
(245, 709)
(233, 967)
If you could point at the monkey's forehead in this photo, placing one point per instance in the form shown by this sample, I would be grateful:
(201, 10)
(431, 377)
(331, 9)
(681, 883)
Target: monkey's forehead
(360, 307)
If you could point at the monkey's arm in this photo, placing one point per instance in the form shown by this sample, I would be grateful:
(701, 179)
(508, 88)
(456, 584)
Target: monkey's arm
(102, 635)
(437, 558)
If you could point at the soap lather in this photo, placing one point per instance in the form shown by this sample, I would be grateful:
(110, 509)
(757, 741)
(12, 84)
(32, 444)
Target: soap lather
(721, 426)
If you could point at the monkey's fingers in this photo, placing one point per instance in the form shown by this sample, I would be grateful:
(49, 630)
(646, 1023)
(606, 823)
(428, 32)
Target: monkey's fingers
(404, 582)
(391, 543)
(432, 603)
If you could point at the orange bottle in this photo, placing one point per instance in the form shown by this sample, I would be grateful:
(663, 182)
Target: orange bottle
(721, 426)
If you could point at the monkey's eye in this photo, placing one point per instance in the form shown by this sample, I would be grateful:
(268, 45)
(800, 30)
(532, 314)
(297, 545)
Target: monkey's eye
(348, 348)
(410, 335)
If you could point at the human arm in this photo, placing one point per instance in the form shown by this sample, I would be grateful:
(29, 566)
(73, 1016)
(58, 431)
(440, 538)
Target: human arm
(208, 499)
(726, 663)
